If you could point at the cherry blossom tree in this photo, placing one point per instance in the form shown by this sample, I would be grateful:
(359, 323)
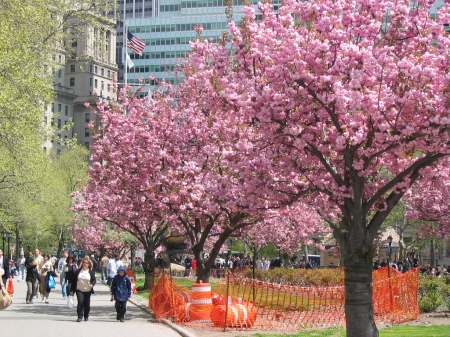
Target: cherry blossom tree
(287, 229)
(428, 201)
(348, 102)
(131, 155)
(100, 239)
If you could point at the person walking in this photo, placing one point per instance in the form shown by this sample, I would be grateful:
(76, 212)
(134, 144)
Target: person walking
(104, 267)
(46, 272)
(83, 285)
(21, 267)
(32, 279)
(121, 290)
(61, 270)
(69, 272)
(4, 264)
(28, 259)
(113, 265)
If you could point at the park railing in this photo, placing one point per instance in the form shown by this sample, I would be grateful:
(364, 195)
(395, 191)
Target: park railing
(238, 302)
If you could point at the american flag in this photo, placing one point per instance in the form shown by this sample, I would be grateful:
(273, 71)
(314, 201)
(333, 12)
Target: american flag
(135, 44)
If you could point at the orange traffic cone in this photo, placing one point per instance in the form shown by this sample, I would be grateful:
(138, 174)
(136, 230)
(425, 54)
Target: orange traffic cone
(133, 286)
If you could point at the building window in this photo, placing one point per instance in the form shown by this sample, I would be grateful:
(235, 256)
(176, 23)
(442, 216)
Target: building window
(72, 68)
(59, 124)
(59, 73)
(90, 82)
(74, 43)
(86, 144)
(102, 86)
(86, 118)
(72, 81)
(103, 72)
(86, 132)
(96, 69)
(66, 110)
(95, 83)
(59, 108)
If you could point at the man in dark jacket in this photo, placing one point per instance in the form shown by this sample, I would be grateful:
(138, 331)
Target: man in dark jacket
(4, 264)
(121, 290)
(32, 278)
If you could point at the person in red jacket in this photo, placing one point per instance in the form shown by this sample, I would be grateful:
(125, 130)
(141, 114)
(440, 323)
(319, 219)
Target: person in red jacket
(194, 266)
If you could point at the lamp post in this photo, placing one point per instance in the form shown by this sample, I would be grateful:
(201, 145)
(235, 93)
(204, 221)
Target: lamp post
(20, 250)
(389, 239)
(390, 247)
(9, 244)
(4, 239)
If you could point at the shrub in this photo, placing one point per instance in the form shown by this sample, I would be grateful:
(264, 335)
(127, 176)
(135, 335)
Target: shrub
(430, 293)
(301, 277)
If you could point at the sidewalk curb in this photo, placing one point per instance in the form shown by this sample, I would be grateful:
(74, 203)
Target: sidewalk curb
(173, 326)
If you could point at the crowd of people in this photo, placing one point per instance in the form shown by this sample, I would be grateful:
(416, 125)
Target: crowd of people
(411, 263)
(77, 279)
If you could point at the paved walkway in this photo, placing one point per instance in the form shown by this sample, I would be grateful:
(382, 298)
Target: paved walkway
(57, 319)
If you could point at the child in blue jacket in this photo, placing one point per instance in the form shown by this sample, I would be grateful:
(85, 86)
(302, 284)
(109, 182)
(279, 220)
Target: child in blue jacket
(121, 290)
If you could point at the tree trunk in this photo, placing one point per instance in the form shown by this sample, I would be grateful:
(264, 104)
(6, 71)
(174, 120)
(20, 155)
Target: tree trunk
(432, 253)
(358, 291)
(133, 258)
(286, 261)
(202, 267)
(149, 268)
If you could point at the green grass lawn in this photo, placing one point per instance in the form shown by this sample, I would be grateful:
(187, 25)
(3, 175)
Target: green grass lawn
(395, 331)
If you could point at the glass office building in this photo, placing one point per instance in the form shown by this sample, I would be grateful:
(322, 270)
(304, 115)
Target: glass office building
(167, 30)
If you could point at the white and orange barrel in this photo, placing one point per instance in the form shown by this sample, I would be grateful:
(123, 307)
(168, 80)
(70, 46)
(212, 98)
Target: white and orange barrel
(201, 302)
(219, 299)
(235, 315)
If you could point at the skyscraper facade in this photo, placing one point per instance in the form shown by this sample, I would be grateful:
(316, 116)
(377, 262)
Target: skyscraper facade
(167, 31)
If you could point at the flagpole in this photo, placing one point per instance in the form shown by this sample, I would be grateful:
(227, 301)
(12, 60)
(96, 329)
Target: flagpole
(125, 43)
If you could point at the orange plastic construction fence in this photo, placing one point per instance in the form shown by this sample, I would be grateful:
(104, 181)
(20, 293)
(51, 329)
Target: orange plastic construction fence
(242, 303)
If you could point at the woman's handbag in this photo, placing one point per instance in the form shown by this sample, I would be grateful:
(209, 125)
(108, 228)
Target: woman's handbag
(51, 282)
(10, 286)
(5, 298)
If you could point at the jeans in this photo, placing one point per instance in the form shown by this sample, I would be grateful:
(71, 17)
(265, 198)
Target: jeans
(22, 273)
(84, 304)
(31, 290)
(63, 287)
(104, 274)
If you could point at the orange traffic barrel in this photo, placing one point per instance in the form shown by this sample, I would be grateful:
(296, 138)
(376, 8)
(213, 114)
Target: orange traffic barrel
(201, 302)
(235, 315)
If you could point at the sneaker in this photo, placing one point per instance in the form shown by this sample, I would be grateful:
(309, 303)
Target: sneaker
(28, 302)
(47, 302)
(43, 301)
(78, 319)
(86, 319)
(122, 320)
